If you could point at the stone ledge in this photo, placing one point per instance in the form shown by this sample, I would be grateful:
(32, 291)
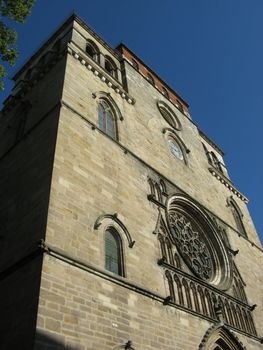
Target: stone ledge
(228, 184)
(99, 72)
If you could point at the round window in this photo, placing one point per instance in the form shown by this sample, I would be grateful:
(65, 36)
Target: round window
(169, 115)
(199, 244)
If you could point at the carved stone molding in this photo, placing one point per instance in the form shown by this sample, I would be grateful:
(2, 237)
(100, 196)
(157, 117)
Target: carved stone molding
(120, 226)
(191, 245)
(99, 72)
(198, 242)
(221, 334)
(225, 181)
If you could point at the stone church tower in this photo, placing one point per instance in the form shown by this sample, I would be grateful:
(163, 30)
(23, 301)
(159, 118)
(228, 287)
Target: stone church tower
(120, 227)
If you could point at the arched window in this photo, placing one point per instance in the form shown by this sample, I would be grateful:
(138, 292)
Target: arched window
(208, 156)
(110, 66)
(176, 145)
(175, 148)
(213, 160)
(238, 216)
(216, 162)
(135, 64)
(107, 120)
(220, 338)
(113, 252)
(150, 79)
(92, 50)
(238, 286)
(165, 92)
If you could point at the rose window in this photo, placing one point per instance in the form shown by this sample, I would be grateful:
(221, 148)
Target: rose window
(198, 242)
(191, 245)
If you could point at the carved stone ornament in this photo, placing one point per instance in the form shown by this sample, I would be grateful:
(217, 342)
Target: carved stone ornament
(198, 241)
(191, 245)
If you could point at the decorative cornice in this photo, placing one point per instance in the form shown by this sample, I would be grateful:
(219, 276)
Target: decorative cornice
(225, 181)
(204, 284)
(100, 73)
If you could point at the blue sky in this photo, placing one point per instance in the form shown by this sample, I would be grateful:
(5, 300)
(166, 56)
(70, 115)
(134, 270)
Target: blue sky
(209, 51)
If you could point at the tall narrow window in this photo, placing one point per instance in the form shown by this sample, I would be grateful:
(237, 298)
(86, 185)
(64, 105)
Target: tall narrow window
(107, 119)
(113, 252)
(215, 162)
(238, 216)
(110, 67)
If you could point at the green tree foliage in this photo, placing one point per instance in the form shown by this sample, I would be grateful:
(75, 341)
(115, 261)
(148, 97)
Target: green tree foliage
(16, 10)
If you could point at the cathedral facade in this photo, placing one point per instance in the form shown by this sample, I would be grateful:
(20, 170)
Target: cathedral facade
(120, 226)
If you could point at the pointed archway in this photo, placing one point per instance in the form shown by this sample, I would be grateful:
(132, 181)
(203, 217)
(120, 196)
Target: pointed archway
(219, 337)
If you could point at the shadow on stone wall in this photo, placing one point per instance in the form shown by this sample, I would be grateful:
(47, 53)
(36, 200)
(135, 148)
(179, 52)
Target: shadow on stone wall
(19, 295)
(51, 341)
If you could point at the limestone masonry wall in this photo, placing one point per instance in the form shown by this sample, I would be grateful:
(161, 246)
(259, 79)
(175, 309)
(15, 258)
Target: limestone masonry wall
(66, 182)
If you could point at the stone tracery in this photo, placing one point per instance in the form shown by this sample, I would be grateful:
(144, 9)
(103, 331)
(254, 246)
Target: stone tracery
(198, 242)
(191, 245)
(186, 233)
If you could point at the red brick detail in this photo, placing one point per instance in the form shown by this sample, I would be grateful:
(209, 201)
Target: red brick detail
(159, 83)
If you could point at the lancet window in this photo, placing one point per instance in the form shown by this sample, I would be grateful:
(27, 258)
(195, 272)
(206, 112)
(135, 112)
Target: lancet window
(238, 216)
(113, 252)
(107, 120)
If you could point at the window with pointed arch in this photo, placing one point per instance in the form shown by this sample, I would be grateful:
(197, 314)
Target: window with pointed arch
(212, 159)
(92, 50)
(238, 216)
(113, 252)
(221, 345)
(215, 162)
(220, 339)
(107, 120)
